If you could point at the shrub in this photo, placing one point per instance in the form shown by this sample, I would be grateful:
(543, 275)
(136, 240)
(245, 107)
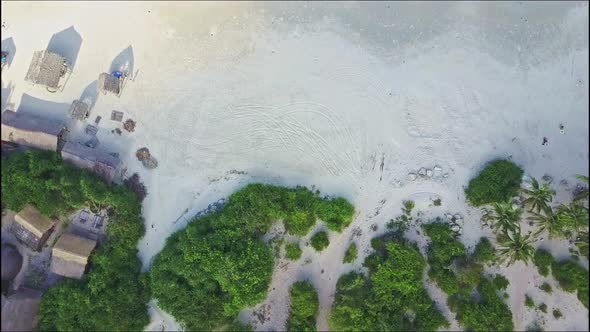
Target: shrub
(393, 288)
(320, 241)
(546, 288)
(304, 307)
(437, 202)
(500, 282)
(408, 207)
(218, 265)
(113, 294)
(528, 301)
(543, 307)
(557, 314)
(293, 252)
(351, 253)
(498, 182)
(484, 251)
(572, 277)
(543, 260)
(337, 213)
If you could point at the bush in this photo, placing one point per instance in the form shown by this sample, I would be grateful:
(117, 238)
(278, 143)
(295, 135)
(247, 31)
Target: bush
(543, 260)
(320, 241)
(500, 282)
(498, 182)
(113, 294)
(437, 202)
(393, 289)
(546, 288)
(293, 252)
(528, 301)
(218, 265)
(304, 307)
(408, 207)
(572, 277)
(557, 314)
(543, 307)
(351, 253)
(484, 251)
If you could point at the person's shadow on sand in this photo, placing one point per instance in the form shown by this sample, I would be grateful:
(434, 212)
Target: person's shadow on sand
(66, 43)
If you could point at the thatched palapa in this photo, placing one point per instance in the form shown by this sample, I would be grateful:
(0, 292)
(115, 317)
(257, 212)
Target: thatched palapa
(70, 255)
(31, 228)
(79, 110)
(109, 83)
(97, 161)
(31, 131)
(46, 69)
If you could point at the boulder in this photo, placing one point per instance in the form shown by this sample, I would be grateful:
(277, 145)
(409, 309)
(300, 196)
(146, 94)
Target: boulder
(456, 228)
(429, 173)
(422, 171)
(412, 176)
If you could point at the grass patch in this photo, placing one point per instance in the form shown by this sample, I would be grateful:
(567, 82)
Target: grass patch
(219, 265)
(304, 307)
(113, 295)
(320, 241)
(391, 298)
(293, 252)
(498, 182)
(351, 253)
(546, 288)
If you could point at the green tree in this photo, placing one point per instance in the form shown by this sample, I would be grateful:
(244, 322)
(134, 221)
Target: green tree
(504, 217)
(293, 252)
(498, 182)
(320, 241)
(516, 247)
(573, 217)
(547, 222)
(304, 307)
(539, 196)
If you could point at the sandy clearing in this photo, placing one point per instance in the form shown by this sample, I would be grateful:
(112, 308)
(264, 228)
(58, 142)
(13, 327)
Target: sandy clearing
(321, 94)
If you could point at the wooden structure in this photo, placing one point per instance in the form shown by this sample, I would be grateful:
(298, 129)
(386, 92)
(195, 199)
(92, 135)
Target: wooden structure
(79, 110)
(47, 69)
(20, 309)
(100, 162)
(31, 228)
(31, 131)
(70, 255)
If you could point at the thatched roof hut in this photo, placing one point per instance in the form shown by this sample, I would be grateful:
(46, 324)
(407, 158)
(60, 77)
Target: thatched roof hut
(79, 110)
(46, 69)
(31, 131)
(20, 309)
(31, 228)
(109, 83)
(12, 262)
(97, 161)
(70, 255)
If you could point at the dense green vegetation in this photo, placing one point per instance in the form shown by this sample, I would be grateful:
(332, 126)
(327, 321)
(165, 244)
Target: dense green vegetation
(320, 241)
(351, 253)
(500, 282)
(392, 297)
(543, 260)
(293, 252)
(497, 182)
(112, 296)
(304, 307)
(219, 265)
(484, 251)
(472, 296)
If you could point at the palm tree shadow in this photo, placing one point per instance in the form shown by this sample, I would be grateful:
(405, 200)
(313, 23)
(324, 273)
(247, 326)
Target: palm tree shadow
(66, 43)
(124, 61)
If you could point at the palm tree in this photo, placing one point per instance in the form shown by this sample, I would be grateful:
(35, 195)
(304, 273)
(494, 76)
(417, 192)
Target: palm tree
(547, 222)
(539, 196)
(515, 247)
(573, 217)
(582, 243)
(504, 217)
(582, 195)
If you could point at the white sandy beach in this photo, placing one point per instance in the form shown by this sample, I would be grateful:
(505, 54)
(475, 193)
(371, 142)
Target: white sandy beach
(347, 97)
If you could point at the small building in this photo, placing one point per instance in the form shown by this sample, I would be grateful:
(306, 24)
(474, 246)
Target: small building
(31, 228)
(20, 309)
(31, 131)
(79, 110)
(46, 69)
(69, 256)
(100, 162)
(109, 83)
